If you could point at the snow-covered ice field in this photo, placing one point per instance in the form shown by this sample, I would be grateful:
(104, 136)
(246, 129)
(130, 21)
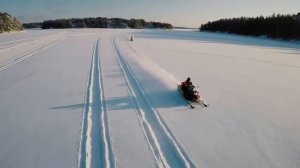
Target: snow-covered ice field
(93, 98)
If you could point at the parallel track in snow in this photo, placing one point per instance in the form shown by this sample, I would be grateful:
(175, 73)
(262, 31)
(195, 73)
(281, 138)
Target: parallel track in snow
(4, 46)
(166, 150)
(95, 146)
(27, 56)
(14, 43)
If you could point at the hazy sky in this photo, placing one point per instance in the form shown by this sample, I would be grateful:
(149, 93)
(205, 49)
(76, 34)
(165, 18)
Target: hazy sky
(189, 13)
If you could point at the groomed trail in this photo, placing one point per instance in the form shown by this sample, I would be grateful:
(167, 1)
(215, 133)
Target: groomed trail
(96, 147)
(166, 150)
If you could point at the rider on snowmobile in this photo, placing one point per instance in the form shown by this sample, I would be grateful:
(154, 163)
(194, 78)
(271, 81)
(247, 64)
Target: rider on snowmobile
(188, 90)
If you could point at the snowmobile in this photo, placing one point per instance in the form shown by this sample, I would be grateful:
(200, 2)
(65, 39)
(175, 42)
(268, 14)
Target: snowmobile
(193, 97)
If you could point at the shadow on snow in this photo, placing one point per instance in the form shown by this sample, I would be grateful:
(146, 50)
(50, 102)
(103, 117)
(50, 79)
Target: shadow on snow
(123, 103)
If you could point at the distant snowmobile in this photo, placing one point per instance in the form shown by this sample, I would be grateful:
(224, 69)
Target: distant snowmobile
(191, 94)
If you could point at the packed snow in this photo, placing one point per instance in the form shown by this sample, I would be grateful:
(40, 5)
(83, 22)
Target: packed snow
(94, 98)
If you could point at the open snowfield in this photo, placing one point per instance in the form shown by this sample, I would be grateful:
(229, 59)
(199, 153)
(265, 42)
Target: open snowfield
(92, 98)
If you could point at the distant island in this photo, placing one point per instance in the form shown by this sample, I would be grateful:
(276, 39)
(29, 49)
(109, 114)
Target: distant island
(285, 27)
(99, 22)
(9, 23)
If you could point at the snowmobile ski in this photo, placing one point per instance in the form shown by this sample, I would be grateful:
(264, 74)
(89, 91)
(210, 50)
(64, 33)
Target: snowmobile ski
(192, 104)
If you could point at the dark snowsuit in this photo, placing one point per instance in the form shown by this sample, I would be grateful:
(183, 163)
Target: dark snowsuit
(188, 90)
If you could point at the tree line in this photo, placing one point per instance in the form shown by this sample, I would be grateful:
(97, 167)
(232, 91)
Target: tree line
(101, 22)
(9, 23)
(275, 26)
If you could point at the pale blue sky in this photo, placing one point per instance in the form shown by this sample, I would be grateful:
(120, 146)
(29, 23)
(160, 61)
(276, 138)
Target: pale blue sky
(189, 13)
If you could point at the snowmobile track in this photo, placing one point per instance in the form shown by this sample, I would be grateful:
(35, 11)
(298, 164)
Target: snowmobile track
(166, 150)
(27, 56)
(95, 145)
(15, 43)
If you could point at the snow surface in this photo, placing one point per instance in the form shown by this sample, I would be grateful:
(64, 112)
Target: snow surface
(93, 98)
